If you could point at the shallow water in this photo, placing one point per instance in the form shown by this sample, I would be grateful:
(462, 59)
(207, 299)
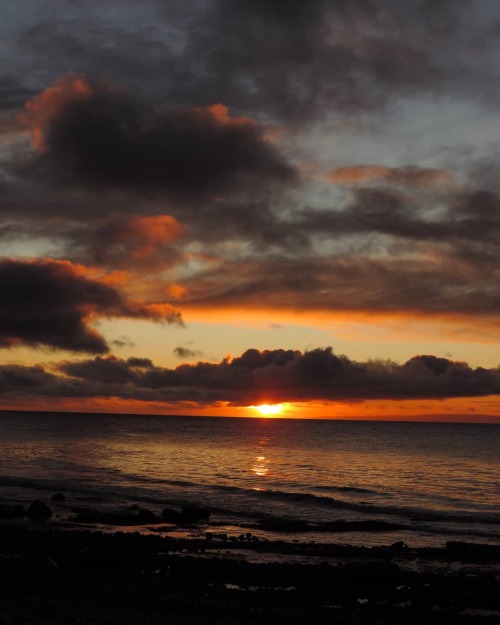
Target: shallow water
(441, 481)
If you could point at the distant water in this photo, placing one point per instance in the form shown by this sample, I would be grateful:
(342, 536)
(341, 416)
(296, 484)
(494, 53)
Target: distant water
(441, 481)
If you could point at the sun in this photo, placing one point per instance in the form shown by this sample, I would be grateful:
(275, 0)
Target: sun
(267, 410)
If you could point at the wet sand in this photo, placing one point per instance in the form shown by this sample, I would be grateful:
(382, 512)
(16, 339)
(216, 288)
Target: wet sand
(56, 576)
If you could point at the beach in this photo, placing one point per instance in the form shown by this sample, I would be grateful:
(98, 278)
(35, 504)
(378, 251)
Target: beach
(55, 573)
(184, 520)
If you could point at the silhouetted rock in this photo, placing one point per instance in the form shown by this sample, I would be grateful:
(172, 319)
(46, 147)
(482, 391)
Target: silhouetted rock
(171, 516)
(191, 514)
(12, 511)
(14, 566)
(473, 551)
(58, 497)
(147, 516)
(38, 511)
(370, 571)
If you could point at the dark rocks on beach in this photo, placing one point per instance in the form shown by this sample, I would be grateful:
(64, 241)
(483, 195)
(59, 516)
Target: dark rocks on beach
(12, 511)
(23, 566)
(54, 577)
(171, 516)
(147, 516)
(371, 571)
(58, 497)
(38, 511)
(192, 514)
(472, 551)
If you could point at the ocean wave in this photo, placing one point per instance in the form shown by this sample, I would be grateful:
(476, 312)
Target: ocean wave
(411, 513)
(246, 502)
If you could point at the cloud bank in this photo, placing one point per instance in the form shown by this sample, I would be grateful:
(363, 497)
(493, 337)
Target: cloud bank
(255, 377)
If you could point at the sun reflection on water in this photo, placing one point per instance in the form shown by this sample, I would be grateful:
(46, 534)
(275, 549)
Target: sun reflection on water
(260, 464)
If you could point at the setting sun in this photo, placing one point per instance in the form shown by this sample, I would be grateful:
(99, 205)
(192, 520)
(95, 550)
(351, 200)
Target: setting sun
(267, 410)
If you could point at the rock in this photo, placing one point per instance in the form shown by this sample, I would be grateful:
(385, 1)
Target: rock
(371, 571)
(58, 497)
(171, 516)
(399, 546)
(12, 511)
(38, 511)
(191, 514)
(476, 552)
(26, 566)
(147, 516)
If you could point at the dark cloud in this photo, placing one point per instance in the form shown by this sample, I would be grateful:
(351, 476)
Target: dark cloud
(436, 285)
(295, 59)
(134, 242)
(285, 59)
(186, 352)
(256, 377)
(50, 303)
(13, 93)
(95, 135)
(465, 216)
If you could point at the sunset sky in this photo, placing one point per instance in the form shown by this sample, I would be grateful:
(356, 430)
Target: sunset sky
(209, 205)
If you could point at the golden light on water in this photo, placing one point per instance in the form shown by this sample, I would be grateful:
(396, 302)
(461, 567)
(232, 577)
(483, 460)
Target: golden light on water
(260, 466)
(269, 410)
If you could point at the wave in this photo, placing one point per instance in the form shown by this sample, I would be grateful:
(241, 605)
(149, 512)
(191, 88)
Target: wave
(297, 502)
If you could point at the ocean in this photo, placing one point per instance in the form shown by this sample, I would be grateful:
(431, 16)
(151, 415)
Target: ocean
(435, 481)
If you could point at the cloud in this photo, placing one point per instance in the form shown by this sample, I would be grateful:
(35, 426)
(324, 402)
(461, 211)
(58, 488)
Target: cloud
(297, 60)
(127, 242)
(401, 176)
(186, 352)
(52, 303)
(432, 284)
(256, 377)
(92, 134)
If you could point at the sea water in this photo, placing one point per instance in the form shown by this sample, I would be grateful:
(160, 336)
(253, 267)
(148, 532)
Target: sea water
(439, 481)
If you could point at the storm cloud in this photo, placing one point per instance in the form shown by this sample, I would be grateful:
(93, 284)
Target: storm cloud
(93, 134)
(256, 377)
(52, 303)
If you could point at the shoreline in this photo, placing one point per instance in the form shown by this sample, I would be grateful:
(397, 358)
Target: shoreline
(51, 575)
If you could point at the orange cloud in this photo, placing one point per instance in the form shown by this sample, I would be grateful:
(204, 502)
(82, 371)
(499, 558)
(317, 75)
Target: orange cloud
(151, 232)
(404, 176)
(40, 109)
(220, 112)
(177, 291)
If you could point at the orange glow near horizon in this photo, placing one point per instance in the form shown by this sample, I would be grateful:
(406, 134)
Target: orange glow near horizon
(269, 410)
(355, 324)
(465, 410)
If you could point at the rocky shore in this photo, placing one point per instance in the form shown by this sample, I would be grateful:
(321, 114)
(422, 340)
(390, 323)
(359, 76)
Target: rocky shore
(50, 575)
